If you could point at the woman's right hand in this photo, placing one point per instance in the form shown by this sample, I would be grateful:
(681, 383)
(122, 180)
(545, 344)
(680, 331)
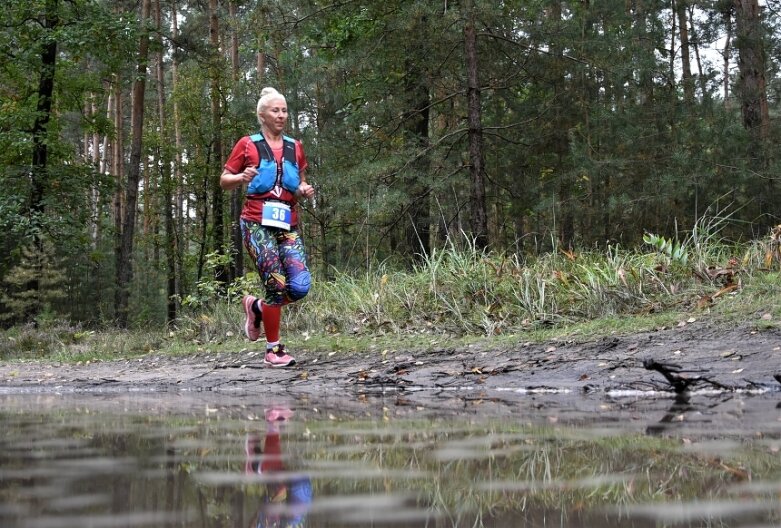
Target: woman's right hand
(247, 174)
(230, 181)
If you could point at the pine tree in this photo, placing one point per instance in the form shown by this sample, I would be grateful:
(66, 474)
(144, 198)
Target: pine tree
(20, 302)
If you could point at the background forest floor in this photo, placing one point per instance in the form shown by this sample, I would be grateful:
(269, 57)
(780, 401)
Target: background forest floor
(713, 354)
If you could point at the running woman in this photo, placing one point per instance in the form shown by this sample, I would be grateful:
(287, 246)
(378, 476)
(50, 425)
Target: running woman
(272, 166)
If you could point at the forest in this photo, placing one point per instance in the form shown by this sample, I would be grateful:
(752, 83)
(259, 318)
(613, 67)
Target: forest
(518, 127)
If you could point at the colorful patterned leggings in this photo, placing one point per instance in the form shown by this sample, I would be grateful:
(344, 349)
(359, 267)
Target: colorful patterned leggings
(280, 259)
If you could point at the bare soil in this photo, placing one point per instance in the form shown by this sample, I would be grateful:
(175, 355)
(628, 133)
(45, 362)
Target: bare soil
(700, 355)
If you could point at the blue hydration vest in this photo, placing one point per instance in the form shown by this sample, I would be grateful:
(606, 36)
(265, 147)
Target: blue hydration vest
(269, 172)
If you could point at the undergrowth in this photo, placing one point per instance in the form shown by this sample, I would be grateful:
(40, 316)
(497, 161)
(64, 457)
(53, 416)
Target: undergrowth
(461, 293)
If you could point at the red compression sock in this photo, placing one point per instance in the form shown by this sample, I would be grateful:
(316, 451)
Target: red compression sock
(271, 317)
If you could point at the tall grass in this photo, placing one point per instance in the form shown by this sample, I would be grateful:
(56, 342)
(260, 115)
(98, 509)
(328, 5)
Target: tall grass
(459, 292)
(466, 291)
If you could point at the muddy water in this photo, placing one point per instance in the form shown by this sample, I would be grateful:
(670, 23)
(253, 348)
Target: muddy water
(202, 460)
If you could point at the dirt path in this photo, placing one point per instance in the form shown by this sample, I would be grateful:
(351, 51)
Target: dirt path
(726, 359)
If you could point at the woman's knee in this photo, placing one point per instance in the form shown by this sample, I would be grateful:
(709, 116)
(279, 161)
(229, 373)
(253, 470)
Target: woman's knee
(298, 285)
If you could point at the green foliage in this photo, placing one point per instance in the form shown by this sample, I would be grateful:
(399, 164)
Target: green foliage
(38, 265)
(210, 291)
(673, 252)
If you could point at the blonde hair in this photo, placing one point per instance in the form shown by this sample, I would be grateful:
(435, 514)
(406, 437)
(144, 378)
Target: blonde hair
(266, 95)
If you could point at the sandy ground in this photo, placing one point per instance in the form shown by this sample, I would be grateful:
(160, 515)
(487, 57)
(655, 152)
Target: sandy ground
(700, 353)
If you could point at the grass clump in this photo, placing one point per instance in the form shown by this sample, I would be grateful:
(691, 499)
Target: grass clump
(60, 341)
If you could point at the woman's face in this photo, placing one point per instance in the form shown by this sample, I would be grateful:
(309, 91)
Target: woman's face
(274, 115)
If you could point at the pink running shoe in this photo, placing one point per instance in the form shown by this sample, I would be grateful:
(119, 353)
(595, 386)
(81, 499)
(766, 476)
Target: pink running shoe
(278, 414)
(252, 323)
(276, 357)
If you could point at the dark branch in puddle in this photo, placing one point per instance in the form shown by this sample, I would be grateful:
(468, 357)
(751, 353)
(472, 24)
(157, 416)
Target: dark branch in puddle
(678, 378)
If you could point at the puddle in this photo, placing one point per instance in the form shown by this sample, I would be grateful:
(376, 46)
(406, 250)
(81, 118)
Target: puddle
(158, 460)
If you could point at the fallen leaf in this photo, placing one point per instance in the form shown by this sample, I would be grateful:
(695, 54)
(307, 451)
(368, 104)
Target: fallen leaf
(727, 289)
(738, 473)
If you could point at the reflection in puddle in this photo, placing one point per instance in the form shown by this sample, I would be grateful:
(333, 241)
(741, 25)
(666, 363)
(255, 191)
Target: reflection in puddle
(287, 496)
(110, 461)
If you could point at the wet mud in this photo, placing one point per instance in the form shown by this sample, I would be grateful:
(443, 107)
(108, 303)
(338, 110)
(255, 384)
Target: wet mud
(705, 355)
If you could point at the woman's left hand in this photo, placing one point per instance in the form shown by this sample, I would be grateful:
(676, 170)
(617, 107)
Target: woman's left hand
(306, 191)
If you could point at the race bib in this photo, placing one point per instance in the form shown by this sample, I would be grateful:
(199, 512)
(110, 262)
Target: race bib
(276, 214)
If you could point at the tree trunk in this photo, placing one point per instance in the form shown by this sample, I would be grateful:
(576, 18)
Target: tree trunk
(701, 77)
(40, 157)
(476, 160)
(177, 186)
(118, 172)
(125, 256)
(165, 180)
(645, 47)
(752, 94)
(236, 194)
(416, 123)
(751, 65)
(726, 54)
(221, 272)
(43, 110)
(260, 64)
(686, 68)
(93, 157)
(418, 226)
(559, 137)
